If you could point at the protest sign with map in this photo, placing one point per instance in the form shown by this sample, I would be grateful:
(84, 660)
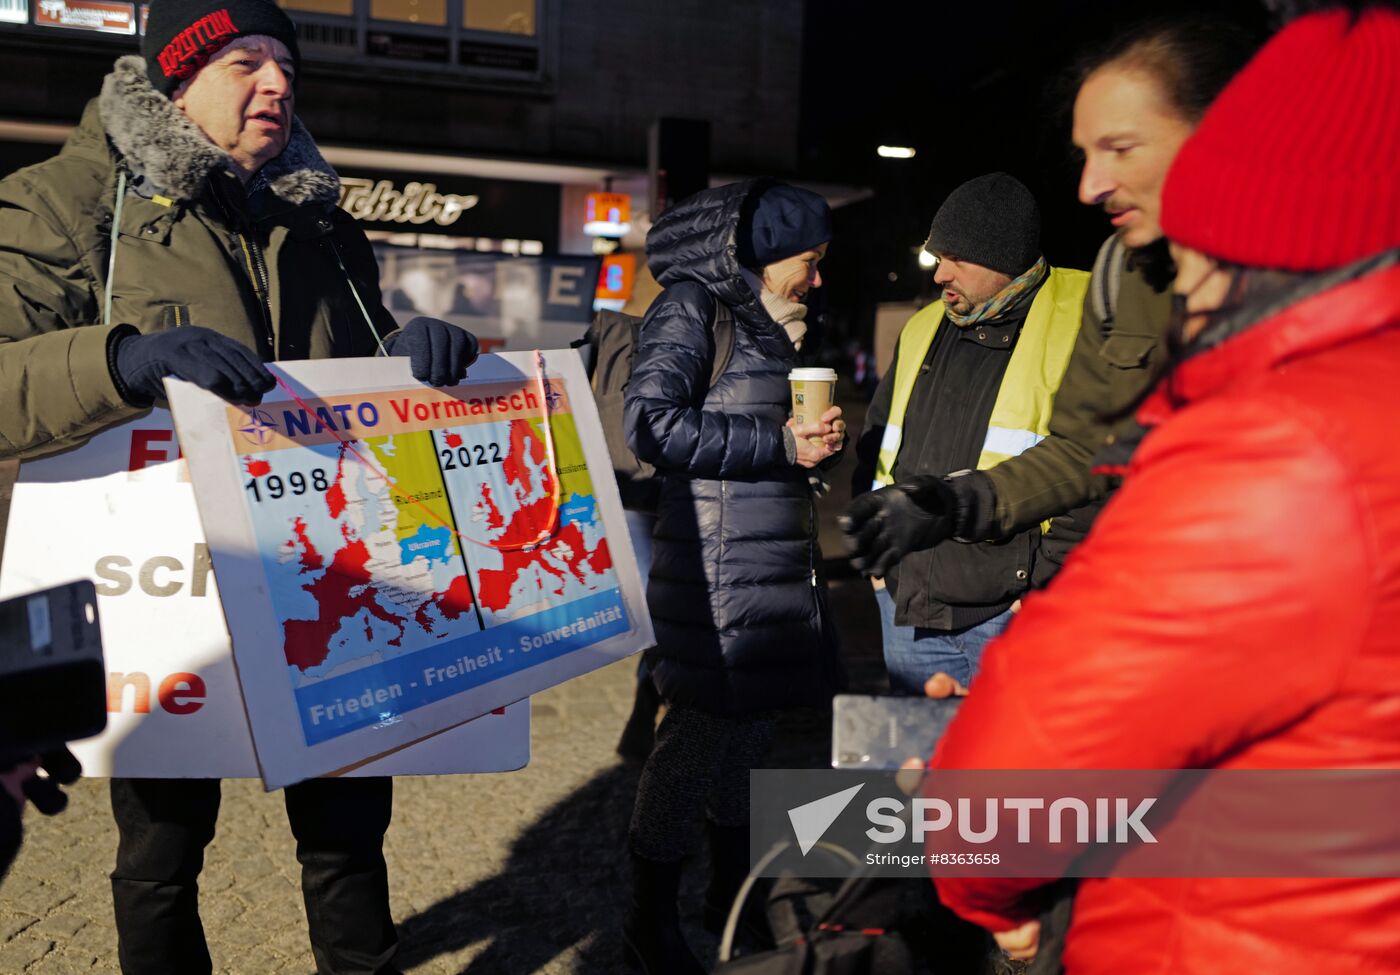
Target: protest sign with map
(417, 556)
(120, 510)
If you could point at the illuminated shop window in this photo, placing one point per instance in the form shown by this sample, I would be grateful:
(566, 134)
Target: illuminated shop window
(489, 40)
(14, 11)
(430, 12)
(500, 16)
(334, 8)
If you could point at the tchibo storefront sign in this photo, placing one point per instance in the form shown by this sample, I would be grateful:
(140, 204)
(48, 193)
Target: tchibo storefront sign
(458, 206)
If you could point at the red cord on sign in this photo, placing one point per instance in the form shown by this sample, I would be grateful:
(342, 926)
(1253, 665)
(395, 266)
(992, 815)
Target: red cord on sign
(551, 471)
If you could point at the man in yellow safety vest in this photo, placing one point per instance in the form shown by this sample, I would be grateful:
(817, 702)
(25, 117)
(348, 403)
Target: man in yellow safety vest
(972, 384)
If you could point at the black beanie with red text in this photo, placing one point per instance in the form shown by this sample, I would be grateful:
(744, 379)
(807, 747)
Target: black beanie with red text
(182, 35)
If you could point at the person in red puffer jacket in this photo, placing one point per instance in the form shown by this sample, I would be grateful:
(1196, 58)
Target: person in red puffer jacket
(1237, 604)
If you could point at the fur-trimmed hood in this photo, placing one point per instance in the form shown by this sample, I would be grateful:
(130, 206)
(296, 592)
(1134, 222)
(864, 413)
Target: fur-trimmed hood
(160, 143)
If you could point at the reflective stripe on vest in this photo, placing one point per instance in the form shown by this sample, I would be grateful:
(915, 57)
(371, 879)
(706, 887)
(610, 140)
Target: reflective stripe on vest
(1009, 443)
(1021, 414)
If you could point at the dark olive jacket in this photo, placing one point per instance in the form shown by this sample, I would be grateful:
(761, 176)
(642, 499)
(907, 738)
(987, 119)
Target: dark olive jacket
(1113, 366)
(272, 266)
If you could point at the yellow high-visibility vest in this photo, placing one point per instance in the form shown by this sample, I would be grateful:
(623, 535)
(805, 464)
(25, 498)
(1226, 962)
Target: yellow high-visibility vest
(1021, 414)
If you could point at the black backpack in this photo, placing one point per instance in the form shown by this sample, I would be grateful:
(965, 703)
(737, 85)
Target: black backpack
(608, 347)
(863, 925)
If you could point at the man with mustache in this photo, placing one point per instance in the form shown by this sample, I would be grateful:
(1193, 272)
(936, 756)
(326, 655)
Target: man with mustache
(972, 384)
(189, 227)
(1139, 98)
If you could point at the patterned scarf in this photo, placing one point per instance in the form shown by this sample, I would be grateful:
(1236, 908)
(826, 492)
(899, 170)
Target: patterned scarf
(1005, 301)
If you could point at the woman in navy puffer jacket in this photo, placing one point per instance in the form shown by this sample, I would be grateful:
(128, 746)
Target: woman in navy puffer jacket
(733, 591)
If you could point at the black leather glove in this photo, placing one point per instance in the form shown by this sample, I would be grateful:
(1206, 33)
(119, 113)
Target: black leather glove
(885, 525)
(224, 366)
(438, 352)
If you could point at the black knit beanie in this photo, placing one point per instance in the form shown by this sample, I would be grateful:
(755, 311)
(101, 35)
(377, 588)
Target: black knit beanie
(993, 221)
(182, 35)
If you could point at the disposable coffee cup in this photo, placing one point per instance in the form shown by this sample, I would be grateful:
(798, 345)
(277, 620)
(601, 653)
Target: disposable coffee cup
(813, 391)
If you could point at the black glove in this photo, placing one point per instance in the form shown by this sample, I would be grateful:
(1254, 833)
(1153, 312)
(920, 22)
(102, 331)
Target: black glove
(224, 366)
(885, 525)
(61, 768)
(44, 791)
(438, 352)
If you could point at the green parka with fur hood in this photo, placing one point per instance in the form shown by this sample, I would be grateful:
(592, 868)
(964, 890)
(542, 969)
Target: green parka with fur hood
(271, 265)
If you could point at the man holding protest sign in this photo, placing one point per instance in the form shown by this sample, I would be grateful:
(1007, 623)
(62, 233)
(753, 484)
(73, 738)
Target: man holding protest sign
(189, 227)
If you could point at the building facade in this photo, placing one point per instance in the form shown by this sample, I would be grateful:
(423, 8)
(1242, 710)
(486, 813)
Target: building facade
(471, 95)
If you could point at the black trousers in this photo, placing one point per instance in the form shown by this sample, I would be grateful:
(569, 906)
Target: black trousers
(164, 826)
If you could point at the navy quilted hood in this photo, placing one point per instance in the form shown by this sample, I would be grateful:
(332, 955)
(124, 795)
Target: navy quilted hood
(697, 240)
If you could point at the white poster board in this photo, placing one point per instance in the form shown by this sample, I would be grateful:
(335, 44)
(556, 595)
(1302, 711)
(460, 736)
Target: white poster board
(121, 511)
(396, 559)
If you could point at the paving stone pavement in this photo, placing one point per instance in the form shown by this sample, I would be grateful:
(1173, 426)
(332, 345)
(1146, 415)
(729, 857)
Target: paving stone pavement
(523, 872)
(508, 874)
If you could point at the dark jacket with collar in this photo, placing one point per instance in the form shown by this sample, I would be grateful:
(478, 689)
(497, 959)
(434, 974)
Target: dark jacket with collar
(733, 592)
(956, 584)
(191, 248)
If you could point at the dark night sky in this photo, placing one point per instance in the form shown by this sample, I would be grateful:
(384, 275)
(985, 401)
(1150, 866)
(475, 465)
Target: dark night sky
(975, 87)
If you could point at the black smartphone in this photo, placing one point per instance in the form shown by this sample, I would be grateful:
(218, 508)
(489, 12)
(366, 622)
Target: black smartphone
(869, 732)
(53, 682)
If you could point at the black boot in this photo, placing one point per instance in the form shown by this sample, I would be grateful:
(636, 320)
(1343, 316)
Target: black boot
(652, 941)
(639, 735)
(729, 865)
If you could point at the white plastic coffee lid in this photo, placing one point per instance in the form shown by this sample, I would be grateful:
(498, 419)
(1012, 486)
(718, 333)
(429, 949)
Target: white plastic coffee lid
(813, 375)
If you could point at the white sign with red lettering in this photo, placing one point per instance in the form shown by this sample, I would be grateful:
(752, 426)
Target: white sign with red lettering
(121, 511)
(395, 558)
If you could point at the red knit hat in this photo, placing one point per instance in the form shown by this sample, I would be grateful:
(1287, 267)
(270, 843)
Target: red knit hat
(1297, 164)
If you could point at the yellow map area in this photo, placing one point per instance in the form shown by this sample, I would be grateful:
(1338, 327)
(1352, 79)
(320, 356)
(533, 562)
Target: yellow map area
(410, 461)
(568, 453)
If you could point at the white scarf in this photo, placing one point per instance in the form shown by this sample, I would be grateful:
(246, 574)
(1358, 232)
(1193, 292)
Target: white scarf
(789, 314)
